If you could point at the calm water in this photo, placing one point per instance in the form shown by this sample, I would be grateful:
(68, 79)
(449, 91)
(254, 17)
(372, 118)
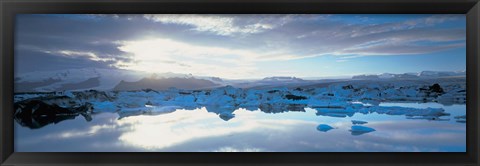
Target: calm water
(254, 131)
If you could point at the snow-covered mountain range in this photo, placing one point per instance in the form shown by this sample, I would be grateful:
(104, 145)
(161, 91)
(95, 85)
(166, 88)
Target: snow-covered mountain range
(423, 74)
(116, 79)
(107, 79)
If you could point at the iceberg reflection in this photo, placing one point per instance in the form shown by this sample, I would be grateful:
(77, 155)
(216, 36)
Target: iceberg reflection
(204, 130)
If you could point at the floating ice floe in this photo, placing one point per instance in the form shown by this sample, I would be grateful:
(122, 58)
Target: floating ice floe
(359, 130)
(358, 122)
(226, 116)
(324, 127)
(435, 118)
(461, 119)
(104, 106)
(410, 112)
(338, 99)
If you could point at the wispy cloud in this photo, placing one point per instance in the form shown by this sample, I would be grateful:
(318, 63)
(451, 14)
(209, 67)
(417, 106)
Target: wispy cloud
(76, 54)
(233, 44)
(161, 55)
(228, 24)
(218, 24)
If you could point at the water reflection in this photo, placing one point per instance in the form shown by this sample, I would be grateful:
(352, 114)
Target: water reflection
(219, 129)
(38, 114)
(359, 130)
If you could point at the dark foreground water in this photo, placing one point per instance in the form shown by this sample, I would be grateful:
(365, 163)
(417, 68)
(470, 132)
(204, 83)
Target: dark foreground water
(252, 131)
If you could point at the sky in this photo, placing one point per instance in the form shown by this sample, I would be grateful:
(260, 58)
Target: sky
(242, 46)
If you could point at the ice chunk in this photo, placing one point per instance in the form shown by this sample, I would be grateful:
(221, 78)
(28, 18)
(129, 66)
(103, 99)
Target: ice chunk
(226, 116)
(327, 102)
(104, 106)
(410, 112)
(428, 112)
(324, 127)
(335, 112)
(359, 130)
(461, 119)
(435, 118)
(358, 122)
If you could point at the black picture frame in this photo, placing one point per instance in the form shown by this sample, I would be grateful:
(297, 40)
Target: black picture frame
(9, 8)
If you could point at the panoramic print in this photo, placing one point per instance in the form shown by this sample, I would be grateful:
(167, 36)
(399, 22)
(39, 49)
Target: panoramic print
(240, 83)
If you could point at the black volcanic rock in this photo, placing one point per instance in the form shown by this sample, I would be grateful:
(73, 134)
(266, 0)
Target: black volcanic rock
(436, 88)
(165, 83)
(36, 113)
(294, 97)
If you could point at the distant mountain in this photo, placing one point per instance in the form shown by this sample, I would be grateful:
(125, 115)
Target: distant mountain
(118, 79)
(423, 74)
(106, 79)
(271, 82)
(365, 77)
(282, 80)
(188, 83)
(441, 73)
(73, 79)
(386, 75)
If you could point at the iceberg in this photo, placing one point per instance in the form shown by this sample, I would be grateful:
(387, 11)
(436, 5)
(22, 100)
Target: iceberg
(358, 122)
(324, 127)
(334, 99)
(359, 130)
(461, 119)
(104, 107)
(226, 116)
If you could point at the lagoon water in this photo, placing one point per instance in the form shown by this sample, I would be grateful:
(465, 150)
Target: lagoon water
(252, 131)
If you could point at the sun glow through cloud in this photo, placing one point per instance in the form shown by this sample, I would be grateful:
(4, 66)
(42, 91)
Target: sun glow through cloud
(165, 55)
(236, 46)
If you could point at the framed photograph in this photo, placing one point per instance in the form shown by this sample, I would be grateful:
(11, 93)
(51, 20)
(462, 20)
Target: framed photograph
(314, 82)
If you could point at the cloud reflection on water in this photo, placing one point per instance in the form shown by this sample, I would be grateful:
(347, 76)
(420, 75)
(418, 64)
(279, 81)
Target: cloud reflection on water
(199, 130)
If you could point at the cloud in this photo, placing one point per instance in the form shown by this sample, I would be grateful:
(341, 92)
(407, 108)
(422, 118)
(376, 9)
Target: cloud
(232, 149)
(305, 36)
(217, 24)
(394, 49)
(165, 55)
(213, 44)
(344, 39)
(90, 55)
(172, 129)
(402, 25)
(225, 25)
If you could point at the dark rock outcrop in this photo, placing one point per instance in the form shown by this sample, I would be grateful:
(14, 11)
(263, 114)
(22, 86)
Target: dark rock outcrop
(36, 113)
